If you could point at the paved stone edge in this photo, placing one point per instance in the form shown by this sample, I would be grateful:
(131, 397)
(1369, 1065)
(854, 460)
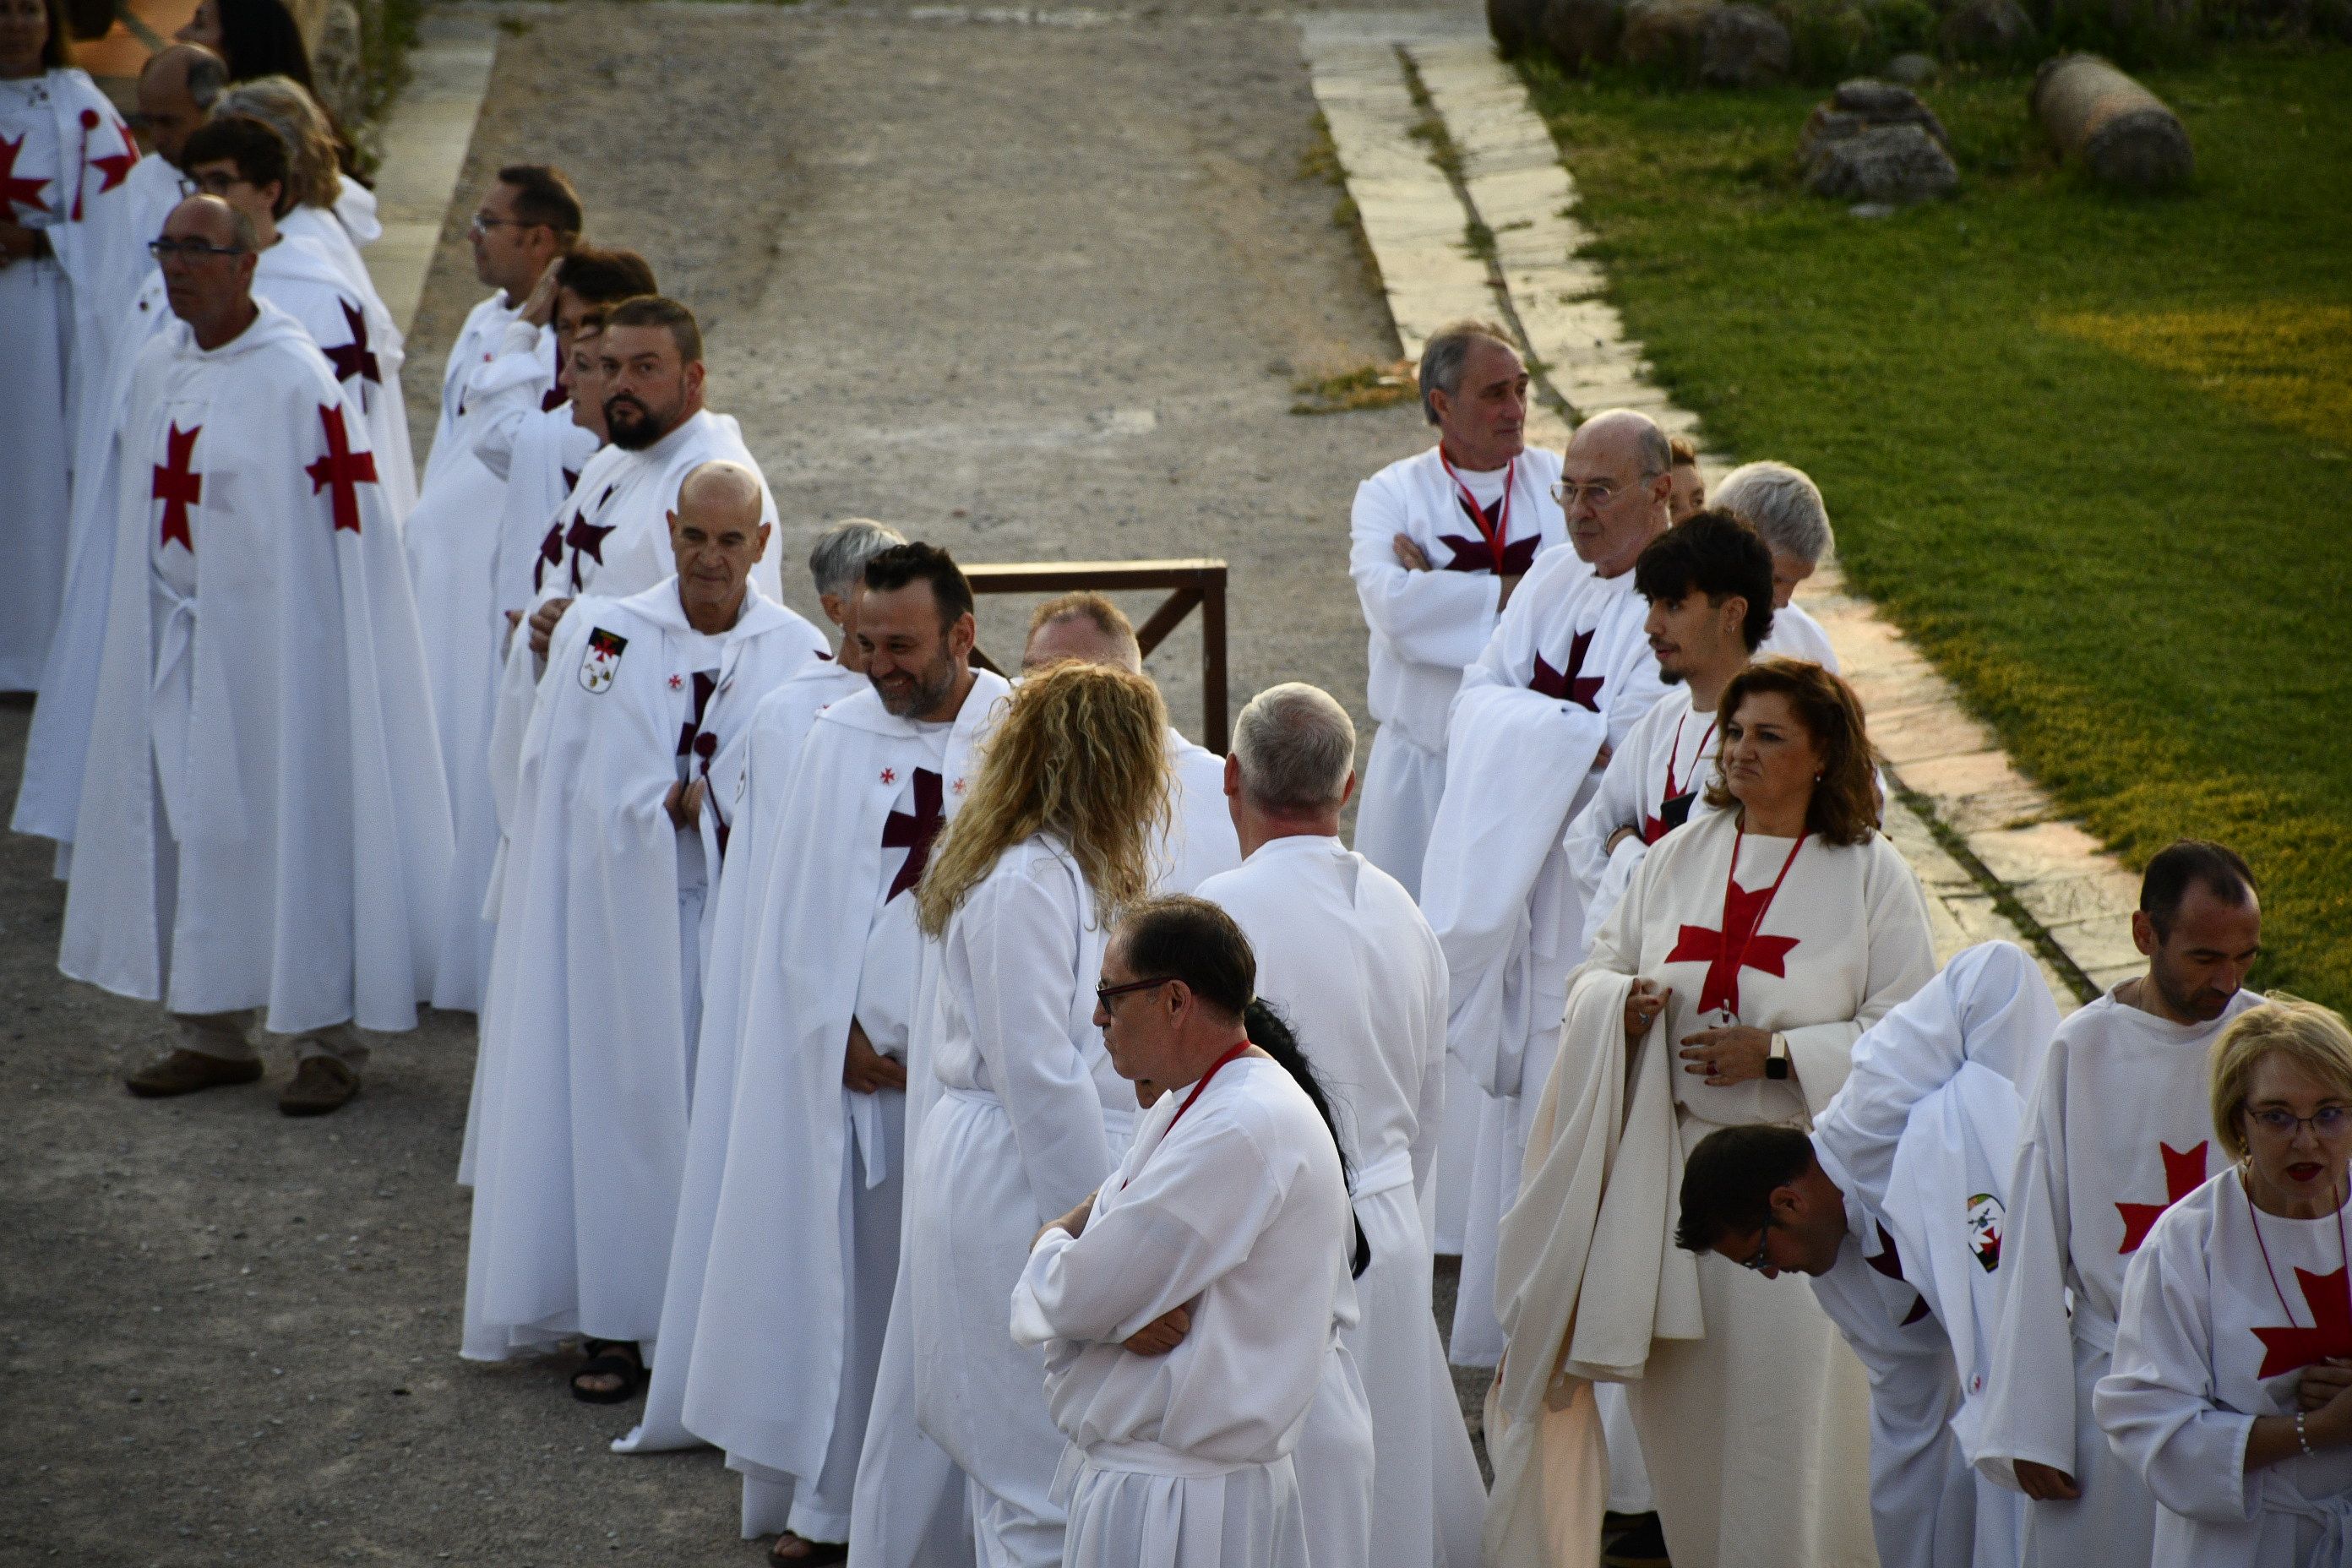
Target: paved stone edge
(425, 139)
(1497, 234)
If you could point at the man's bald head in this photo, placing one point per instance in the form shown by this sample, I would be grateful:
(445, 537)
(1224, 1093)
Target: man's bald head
(1083, 627)
(208, 268)
(1625, 437)
(720, 490)
(177, 91)
(1616, 477)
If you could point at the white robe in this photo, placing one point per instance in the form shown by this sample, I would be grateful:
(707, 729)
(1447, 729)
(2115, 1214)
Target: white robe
(1657, 780)
(1567, 672)
(2205, 1343)
(2118, 1127)
(1587, 1278)
(1796, 635)
(355, 332)
(1200, 841)
(262, 814)
(1238, 1212)
(69, 158)
(1349, 962)
(326, 227)
(804, 1242)
(1425, 626)
(156, 186)
(1030, 1120)
(588, 1030)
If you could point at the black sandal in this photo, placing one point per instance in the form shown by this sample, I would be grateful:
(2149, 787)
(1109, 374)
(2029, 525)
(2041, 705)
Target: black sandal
(820, 1553)
(609, 1358)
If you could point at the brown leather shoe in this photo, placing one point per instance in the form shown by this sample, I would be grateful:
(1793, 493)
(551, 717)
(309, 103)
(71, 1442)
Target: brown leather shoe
(320, 1084)
(186, 1072)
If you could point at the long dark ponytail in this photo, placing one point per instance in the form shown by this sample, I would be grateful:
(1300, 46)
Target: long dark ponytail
(1270, 1033)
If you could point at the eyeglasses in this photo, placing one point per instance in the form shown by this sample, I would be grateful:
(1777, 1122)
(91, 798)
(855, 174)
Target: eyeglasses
(189, 249)
(2327, 1121)
(482, 223)
(1601, 492)
(1103, 994)
(1761, 1260)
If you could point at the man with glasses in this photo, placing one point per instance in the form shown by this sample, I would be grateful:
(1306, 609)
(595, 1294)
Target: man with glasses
(1562, 681)
(264, 829)
(527, 218)
(2118, 1130)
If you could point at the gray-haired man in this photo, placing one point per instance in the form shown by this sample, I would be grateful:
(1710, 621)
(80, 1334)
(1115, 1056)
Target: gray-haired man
(1784, 505)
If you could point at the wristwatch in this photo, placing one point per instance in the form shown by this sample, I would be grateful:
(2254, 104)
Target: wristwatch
(1776, 1063)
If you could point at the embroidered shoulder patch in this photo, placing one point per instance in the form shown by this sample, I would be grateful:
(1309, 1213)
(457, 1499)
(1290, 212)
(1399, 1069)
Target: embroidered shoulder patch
(603, 658)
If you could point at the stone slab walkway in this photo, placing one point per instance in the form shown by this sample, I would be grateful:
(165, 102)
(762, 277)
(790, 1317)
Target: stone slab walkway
(425, 138)
(1469, 210)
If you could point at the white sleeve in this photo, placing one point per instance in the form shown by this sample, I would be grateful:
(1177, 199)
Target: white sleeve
(1901, 959)
(503, 392)
(2030, 1377)
(1616, 804)
(2156, 1404)
(1429, 617)
(1015, 933)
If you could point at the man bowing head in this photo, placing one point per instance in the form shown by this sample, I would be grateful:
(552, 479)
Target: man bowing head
(594, 975)
(264, 825)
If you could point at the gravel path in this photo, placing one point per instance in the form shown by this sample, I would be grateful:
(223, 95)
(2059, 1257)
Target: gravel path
(1027, 290)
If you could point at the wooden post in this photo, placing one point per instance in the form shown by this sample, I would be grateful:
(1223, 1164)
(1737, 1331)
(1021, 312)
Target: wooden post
(2122, 133)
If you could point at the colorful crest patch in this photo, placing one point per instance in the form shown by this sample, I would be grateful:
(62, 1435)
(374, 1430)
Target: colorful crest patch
(603, 658)
(1984, 1218)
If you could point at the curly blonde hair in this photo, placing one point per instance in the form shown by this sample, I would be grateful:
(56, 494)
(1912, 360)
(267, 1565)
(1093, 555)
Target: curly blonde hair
(281, 103)
(1082, 755)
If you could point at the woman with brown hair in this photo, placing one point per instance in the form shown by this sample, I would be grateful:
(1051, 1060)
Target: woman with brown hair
(1021, 893)
(1751, 950)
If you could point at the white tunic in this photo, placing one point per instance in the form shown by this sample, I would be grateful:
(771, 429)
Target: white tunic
(1567, 671)
(1200, 841)
(588, 1030)
(1236, 1212)
(1030, 1120)
(2222, 1308)
(1654, 783)
(1425, 626)
(2117, 1128)
(1796, 635)
(1349, 962)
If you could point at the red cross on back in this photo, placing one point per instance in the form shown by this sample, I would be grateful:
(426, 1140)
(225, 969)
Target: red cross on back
(341, 468)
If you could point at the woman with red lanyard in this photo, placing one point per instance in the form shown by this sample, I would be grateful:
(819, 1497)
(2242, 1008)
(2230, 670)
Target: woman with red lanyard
(1189, 1311)
(1752, 948)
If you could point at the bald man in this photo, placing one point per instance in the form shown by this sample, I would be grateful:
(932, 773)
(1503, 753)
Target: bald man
(581, 1090)
(177, 92)
(1200, 843)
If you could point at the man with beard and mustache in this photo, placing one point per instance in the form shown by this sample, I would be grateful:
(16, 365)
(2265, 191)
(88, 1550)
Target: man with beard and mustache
(2118, 1128)
(804, 1245)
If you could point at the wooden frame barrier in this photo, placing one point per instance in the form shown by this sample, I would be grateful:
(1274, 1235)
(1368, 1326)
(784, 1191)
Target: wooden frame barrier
(1194, 584)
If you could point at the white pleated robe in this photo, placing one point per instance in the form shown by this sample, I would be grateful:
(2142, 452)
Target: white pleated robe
(2118, 1127)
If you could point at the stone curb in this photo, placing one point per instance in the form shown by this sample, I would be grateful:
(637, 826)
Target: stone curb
(1988, 845)
(425, 138)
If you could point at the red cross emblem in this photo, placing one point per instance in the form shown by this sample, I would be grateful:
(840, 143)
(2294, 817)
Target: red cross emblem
(115, 167)
(1477, 555)
(342, 468)
(890, 775)
(959, 786)
(178, 486)
(2290, 1349)
(1718, 949)
(353, 361)
(1569, 685)
(2184, 1173)
(914, 832)
(677, 682)
(15, 187)
(585, 538)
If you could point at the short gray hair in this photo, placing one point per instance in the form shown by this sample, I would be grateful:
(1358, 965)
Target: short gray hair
(1443, 357)
(1780, 503)
(839, 559)
(1295, 745)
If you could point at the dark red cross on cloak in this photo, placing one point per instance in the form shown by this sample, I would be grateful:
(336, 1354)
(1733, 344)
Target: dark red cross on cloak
(914, 833)
(1737, 947)
(701, 744)
(1569, 685)
(585, 538)
(2290, 1349)
(553, 398)
(178, 486)
(15, 187)
(342, 468)
(115, 167)
(353, 360)
(1889, 1262)
(2183, 1175)
(1473, 554)
(550, 553)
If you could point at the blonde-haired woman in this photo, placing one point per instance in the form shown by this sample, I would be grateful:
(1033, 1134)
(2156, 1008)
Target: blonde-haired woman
(2231, 1391)
(1054, 838)
(336, 211)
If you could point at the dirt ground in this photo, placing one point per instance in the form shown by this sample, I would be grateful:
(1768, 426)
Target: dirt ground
(1032, 291)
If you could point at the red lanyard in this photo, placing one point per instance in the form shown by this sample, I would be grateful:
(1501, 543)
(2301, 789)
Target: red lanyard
(1199, 1084)
(1675, 791)
(1731, 886)
(1500, 533)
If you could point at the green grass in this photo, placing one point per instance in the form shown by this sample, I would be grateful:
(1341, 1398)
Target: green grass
(2092, 453)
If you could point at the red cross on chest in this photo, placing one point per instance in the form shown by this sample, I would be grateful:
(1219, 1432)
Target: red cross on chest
(1569, 685)
(2184, 1173)
(19, 189)
(2290, 1349)
(585, 538)
(1737, 946)
(178, 486)
(914, 831)
(341, 469)
(1477, 554)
